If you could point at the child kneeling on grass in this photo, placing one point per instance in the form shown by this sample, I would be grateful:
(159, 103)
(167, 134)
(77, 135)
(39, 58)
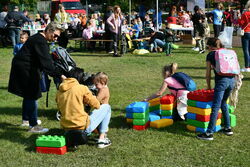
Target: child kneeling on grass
(71, 99)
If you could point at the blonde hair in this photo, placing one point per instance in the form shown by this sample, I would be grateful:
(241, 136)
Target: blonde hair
(247, 6)
(101, 77)
(172, 68)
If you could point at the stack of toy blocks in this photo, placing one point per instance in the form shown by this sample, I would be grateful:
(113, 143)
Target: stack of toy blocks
(199, 110)
(137, 113)
(161, 110)
(51, 145)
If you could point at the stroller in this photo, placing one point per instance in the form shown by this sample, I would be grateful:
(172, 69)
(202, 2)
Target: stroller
(65, 63)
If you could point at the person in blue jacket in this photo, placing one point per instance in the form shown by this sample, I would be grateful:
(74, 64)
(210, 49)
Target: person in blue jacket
(217, 15)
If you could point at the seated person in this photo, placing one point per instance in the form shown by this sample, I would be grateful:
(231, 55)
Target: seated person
(156, 41)
(71, 99)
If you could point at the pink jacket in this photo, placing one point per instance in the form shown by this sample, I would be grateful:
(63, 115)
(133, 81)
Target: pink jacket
(114, 24)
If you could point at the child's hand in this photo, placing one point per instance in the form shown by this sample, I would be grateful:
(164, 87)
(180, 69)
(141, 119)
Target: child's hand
(63, 77)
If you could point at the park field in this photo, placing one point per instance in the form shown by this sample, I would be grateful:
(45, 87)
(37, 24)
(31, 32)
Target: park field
(132, 78)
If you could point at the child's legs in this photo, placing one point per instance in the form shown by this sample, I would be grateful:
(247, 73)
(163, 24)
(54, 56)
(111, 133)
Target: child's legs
(25, 115)
(168, 48)
(103, 127)
(98, 116)
(203, 43)
(199, 42)
(160, 43)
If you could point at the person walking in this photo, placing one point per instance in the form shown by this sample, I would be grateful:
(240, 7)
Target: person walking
(217, 20)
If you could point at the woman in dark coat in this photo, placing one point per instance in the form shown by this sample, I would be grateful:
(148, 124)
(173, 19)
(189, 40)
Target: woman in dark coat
(26, 70)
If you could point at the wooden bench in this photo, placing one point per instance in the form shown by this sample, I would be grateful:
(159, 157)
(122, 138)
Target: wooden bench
(83, 42)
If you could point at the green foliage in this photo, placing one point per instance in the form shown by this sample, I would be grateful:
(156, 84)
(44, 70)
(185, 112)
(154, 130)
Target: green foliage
(132, 78)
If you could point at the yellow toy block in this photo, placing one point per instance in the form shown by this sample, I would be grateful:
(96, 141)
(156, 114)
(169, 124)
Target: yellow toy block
(154, 102)
(129, 121)
(218, 122)
(167, 106)
(161, 123)
(200, 111)
(191, 128)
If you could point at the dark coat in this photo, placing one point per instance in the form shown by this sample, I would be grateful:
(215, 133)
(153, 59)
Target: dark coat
(15, 19)
(27, 65)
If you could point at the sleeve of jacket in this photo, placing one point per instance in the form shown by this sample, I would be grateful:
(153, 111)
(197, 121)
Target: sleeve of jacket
(45, 59)
(109, 20)
(90, 99)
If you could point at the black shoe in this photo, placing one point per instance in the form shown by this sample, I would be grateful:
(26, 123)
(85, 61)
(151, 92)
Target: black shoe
(116, 55)
(227, 131)
(205, 136)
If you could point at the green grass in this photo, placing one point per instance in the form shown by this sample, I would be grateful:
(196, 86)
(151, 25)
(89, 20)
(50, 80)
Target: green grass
(132, 78)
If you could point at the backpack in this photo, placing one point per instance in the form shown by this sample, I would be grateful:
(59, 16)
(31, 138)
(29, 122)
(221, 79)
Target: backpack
(226, 62)
(185, 80)
(62, 59)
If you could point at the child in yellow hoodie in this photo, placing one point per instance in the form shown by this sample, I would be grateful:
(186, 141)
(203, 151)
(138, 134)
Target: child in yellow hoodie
(71, 98)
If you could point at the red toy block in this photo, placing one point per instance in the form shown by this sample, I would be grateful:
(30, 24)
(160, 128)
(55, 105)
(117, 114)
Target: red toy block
(141, 127)
(206, 118)
(52, 150)
(201, 95)
(167, 99)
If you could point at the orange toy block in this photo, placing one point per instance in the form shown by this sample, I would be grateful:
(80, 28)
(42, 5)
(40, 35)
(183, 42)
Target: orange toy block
(154, 102)
(161, 123)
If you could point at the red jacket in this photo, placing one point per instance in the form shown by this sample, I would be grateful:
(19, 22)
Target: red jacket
(243, 22)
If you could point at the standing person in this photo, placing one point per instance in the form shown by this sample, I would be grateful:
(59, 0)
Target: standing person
(3, 26)
(196, 18)
(179, 90)
(26, 70)
(63, 18)
(15, 20)
(115, 22)
(222, 90)
(23, 38)
(71, 98)
(244, 24)
(159, 19)
(107, 35)
(217, 20)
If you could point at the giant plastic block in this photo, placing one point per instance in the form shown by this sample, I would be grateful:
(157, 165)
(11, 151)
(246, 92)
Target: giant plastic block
(201, 124)
(166, 112)
(141, 115)
(230, 109)
(167, 106)
(129, 115)
(167, 99)
(161, 123)
(158, 112)
(50, 141)
(206, 118)
(129, 108)
(153, 117)
(141, 121)
(141, 127)
(201, 95)
(140, 107)
(202, 130)
(129, 121)
(154, 108)
(52, 150)
(200, 111)
(200, 104)
(167, 117)
(232, 120)
(191, 116)
(154, 102)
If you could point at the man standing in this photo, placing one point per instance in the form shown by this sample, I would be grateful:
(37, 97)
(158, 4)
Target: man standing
(15, 20)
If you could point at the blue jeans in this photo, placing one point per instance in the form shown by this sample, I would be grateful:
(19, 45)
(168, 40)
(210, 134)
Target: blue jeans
(100, 117)
(222, 90)
(15, 35)
(158, 42)
(246, 48)
(217, 30)
(30, 111)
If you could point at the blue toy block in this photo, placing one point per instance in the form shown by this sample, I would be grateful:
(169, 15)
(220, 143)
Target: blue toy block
(203, 130)
(153, 117)
(129, 108)
(140, 107)
(191, 116)
(158, 112)
(167, 117)
(201, 104)
(129, 115)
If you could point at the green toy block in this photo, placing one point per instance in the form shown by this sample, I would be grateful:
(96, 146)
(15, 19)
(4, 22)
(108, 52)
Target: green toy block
(191, 103)
(230, 109)
(166, 112)
(141, 115)
(50, 141)
(141, 121)
(232, 120)
(197, 123)
(154, 108)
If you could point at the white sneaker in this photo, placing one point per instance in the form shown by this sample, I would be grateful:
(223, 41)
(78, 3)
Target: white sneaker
(38, 129)
(196, 49)
(243, 70)
(25, 123)
(102, 143)
(248, 70)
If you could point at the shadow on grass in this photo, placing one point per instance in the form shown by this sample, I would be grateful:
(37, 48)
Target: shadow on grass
(193, 68)
(3, 87)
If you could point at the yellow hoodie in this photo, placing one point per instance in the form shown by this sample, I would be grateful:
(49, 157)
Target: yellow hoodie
(70, 99)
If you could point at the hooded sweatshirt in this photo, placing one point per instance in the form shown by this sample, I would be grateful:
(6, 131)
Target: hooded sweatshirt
(71, 98)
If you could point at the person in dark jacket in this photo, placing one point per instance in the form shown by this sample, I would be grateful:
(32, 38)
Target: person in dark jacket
(15, 20)
(107, 35)
(25, 74)
(157, 40)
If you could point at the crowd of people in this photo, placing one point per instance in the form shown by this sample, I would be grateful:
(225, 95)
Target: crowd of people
(31, 58)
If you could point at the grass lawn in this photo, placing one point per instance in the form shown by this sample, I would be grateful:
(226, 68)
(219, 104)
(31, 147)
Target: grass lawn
(132, 78)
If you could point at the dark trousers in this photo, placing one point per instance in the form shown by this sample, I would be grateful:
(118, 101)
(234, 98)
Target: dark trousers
(30, 111)
(217, 30)
(63, 40)
(108, 45)
(115, 38)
